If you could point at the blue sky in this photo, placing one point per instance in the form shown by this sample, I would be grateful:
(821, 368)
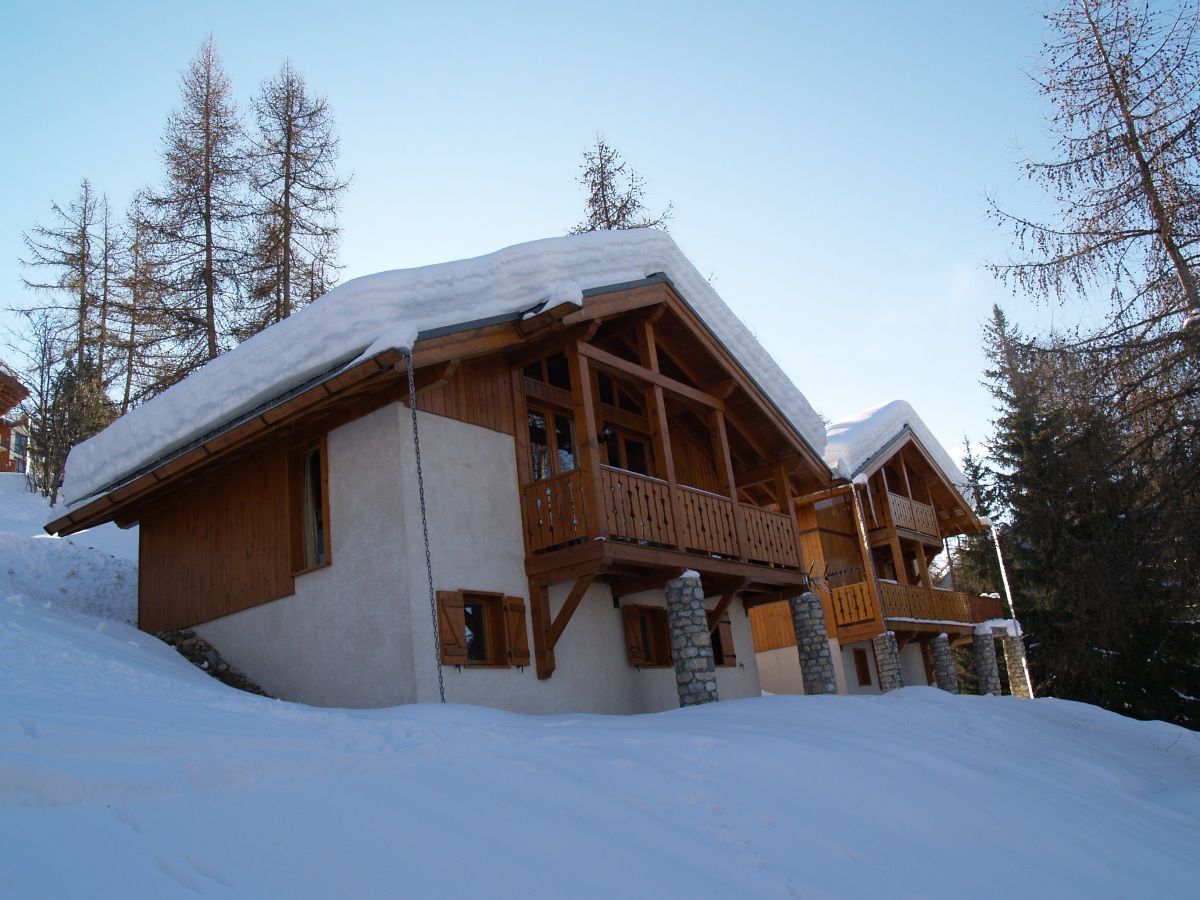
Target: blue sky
(828, 163)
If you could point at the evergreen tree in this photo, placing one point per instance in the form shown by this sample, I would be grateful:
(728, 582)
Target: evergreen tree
(78, 407)
(199, 216)
(615, 193)
(296, 193)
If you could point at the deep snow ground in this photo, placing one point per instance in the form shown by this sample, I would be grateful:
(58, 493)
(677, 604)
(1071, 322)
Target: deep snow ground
(127, 772)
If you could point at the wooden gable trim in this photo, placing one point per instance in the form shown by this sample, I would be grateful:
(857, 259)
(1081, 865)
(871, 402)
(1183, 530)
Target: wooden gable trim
(894, 449)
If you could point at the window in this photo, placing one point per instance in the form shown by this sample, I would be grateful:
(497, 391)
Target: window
(480, 628)
(621, 450)
(647, 639)
(862, 666)
(308, 494)
(722, 642)
(551, 443)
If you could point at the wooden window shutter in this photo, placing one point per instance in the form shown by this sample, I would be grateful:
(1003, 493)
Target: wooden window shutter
(725, 630)
(518, 635)
(452, 628)
(634, 647)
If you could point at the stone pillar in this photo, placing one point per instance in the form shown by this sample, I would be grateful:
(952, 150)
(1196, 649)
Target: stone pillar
(816, 660)
(691, 641)
(986, 669)
(944, 670)
(1014, 660)
(887, 661)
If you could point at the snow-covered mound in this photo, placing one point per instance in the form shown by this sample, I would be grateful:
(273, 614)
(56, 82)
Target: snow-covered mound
(376, 312)
(852, 442)
(126, 772)
(92, 572)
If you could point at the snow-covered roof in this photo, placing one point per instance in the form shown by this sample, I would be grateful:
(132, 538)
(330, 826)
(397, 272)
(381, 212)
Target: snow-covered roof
(369, 315)
(854, 442)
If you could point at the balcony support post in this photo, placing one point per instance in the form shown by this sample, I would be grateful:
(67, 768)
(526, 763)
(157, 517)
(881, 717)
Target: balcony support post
(660, 434)
(725, 476)
(586, 440)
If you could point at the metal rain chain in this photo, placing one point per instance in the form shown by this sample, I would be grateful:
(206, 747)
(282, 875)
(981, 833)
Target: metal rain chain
(437, 636)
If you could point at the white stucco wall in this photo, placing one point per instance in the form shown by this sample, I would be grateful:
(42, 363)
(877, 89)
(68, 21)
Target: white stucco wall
(912, 665)
(850, 671)
(779, 670)
(359, 633)
(343, 638)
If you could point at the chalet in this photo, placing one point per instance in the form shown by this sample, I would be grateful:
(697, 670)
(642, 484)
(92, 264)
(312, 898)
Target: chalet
(14, 435)
(870, 541)
(553, 478)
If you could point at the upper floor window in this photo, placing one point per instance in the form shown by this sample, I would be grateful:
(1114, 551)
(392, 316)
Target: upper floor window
(554, 371)
(308, 493)
(551, 443)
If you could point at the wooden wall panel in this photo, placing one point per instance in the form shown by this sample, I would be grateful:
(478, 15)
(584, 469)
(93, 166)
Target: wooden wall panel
(479, 392)
(694, 464)
(218, 550)
(771, 625)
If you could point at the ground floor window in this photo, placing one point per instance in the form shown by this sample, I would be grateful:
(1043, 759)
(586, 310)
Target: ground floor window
(647, 638)
(862, 666)
(482, 628)
(308, 507)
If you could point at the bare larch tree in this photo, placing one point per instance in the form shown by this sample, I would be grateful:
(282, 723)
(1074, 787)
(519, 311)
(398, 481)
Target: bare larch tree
(615, 192)
(296, 194)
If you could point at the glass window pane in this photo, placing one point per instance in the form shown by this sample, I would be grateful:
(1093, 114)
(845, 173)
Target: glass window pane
(557, 372)
(635, 457)
(475, 619)
(534, 371)
(564, 439)
(539, 445)
(314, 512)
(604, 386)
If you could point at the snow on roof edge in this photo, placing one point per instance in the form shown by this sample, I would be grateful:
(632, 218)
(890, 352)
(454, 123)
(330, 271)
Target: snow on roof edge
(389, 309)
(855, 442)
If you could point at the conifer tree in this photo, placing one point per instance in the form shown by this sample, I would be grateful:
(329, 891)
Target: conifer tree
(615, 193)
(296, 195)
(200, 215)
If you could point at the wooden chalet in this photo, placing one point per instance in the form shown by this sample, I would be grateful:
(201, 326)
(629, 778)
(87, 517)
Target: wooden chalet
(870, 541)
(14, 437)
(577, 455)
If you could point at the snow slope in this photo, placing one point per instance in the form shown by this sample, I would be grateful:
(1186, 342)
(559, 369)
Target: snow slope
(126, 772)
(94, 571)
(376, 312)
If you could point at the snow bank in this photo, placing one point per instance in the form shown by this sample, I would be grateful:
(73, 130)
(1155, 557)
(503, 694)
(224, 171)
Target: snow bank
(92, 572)
(388, 310)
(851, 442)
(125, 771)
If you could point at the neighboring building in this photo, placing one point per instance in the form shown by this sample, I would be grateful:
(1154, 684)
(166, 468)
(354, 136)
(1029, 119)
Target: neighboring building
(14, 432)
(902, 497)
(601, 440)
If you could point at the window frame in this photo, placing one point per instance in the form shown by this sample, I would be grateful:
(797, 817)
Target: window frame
(549, 413)
(652, 625)
(297, 562)
(862, 667)
(506, 629)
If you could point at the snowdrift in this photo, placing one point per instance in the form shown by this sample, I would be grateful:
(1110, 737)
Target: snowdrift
(126, 772)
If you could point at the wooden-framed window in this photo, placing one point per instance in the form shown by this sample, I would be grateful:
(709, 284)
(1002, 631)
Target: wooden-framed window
(551, 443)
(722, 642)
(482, 628)
(308, 507)
(647, 638)
(862, 667)
(553, 370)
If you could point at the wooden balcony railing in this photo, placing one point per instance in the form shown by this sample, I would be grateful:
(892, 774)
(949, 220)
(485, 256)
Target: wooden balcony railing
(708, 524)
(555, 511)
(911, 515)
(852, 604)
(770, 537)
(639, 508)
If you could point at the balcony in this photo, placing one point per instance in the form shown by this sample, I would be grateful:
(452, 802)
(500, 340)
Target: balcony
(853, 605)
(648, 511)
(912, 515)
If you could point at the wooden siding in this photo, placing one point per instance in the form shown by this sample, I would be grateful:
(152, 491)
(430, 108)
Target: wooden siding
(479, 392)
(217, 551)
(771, 626)
(693, 461)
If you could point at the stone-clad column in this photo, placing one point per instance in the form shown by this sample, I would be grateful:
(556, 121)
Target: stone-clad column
(812, 642)
(986, 669)
(1014, 661)
(887, 661)
(691, 641)
(944, 670)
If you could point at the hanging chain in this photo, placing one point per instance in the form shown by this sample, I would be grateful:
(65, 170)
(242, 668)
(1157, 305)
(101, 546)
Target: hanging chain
(437, 635)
